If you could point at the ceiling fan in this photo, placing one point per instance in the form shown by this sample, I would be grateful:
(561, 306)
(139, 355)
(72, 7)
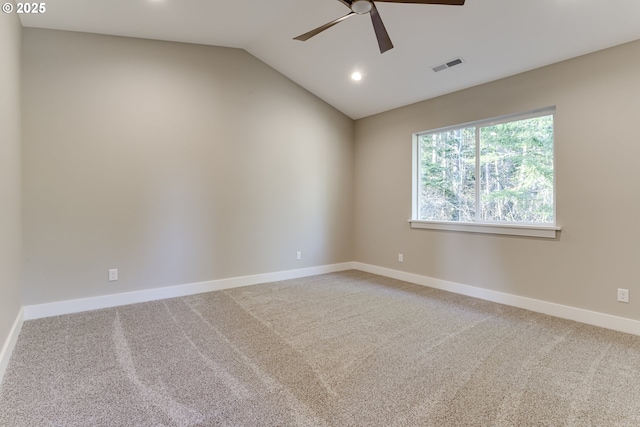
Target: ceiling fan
(360, 7)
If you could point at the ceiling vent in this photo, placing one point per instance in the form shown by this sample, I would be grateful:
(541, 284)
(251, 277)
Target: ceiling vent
(447, 64)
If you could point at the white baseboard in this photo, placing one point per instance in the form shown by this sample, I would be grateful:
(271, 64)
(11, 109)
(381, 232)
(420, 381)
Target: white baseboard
(105, 301)
(608, 321)
(74, 306)
(10, 343)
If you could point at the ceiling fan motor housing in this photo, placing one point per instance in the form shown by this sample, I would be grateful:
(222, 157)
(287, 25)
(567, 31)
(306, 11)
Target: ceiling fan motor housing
(361, 6)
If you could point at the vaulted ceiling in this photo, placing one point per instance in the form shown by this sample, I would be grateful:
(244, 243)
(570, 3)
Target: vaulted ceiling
(494, 38)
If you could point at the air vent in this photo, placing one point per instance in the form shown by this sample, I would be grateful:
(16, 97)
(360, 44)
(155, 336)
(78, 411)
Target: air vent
(448, 64)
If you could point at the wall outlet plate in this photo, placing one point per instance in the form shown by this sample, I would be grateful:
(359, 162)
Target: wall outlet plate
(623, 295)
(113, 274)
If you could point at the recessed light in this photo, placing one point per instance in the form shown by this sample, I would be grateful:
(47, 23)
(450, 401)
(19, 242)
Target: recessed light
(356, 76)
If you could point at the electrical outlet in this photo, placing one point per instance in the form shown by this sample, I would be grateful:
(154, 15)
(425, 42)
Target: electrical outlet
(298, 255)
(400, 258)
(623, 295)
(113, 274)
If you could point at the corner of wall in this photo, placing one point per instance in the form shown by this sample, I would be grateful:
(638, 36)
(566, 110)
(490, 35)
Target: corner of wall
(10, 343)
(10, 186)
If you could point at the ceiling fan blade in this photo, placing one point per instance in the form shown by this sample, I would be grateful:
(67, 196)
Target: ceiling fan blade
(384, 41)
(346, 3)
(447, 2)
(307, 36)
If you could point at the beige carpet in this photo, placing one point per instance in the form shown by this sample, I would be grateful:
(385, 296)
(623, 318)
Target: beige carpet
(342, 349)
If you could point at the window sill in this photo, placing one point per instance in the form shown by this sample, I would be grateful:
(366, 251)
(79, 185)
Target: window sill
(545, 231)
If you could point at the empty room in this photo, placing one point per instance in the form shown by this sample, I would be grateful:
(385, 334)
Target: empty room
(319, 213)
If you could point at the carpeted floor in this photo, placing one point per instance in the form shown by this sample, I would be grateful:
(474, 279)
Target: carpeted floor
(342, 349)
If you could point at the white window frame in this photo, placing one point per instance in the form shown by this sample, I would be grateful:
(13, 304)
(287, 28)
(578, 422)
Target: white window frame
(509, 228)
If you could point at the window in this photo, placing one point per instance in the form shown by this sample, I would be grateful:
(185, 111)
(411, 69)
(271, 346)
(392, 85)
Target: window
(492, 176)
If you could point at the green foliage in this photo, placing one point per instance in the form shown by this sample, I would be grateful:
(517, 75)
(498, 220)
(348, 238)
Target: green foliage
(515, 179)
(447, 176)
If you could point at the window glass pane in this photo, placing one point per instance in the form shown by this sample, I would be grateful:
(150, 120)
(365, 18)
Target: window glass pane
(447, 175)
(516, 171)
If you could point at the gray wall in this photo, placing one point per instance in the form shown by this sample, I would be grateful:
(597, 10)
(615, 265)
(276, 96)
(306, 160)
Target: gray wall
(10, 179)
(174, 163)
(597, 171)
(180, 163)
